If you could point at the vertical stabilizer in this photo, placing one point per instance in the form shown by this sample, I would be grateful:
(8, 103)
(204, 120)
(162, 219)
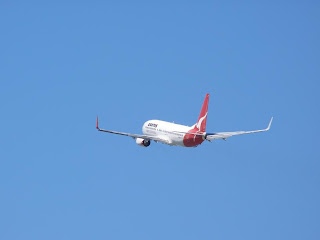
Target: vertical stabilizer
(202, 120)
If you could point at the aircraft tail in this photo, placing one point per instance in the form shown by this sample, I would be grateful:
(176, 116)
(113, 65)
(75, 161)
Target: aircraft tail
(202, 120)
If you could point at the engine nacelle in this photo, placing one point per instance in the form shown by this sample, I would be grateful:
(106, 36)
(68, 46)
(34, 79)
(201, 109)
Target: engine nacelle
(143, 142)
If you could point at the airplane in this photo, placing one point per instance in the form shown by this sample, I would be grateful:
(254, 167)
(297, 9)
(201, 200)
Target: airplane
(180, 135)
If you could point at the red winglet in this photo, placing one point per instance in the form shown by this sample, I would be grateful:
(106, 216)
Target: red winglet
(97, 123)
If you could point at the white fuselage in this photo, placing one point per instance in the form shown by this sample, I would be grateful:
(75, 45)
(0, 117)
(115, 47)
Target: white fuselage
(172, 133)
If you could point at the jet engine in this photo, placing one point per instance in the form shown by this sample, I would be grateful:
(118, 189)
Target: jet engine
(143, 142)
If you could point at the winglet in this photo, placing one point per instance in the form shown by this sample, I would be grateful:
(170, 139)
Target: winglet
(97, 123)
(269, 124)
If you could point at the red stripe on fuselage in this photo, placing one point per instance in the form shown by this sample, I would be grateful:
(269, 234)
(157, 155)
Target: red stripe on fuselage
(191, 140)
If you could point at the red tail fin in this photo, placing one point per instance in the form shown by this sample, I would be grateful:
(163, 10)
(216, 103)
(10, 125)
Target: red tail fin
(202, 120)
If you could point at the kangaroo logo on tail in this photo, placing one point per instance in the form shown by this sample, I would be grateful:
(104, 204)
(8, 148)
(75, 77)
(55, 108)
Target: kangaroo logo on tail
(202, 120)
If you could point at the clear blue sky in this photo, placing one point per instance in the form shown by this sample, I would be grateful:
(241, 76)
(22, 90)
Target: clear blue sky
(63, 64)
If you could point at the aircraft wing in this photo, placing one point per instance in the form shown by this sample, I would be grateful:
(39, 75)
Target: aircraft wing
(157, 139)
(224, 135)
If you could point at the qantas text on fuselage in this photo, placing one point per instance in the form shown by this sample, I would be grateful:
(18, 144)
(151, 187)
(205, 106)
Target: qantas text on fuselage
(180, 135)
